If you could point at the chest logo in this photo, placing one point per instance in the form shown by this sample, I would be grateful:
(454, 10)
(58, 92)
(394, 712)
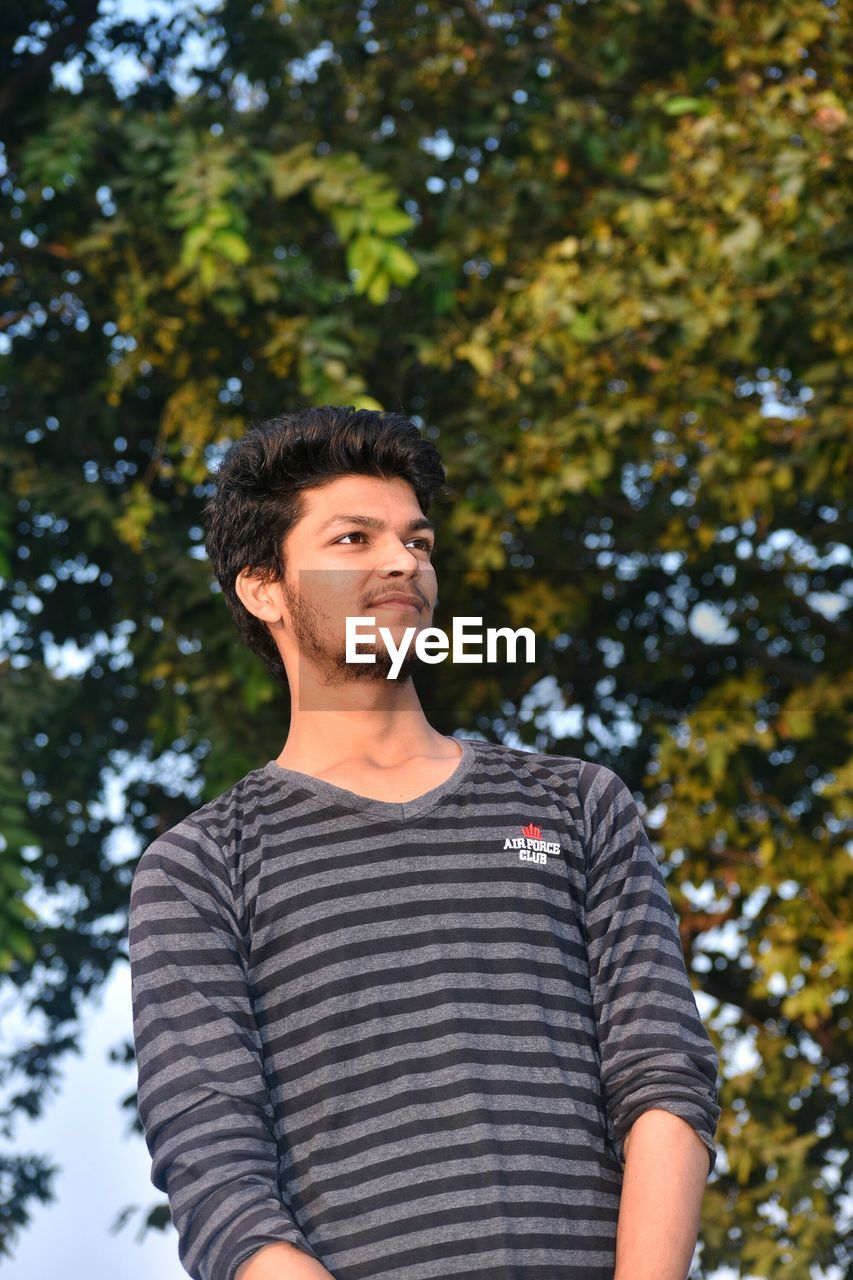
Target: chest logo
(530, 845)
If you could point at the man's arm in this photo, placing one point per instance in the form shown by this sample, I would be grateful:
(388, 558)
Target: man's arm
(666, 1168)
(281, 1262)
(204, 1101)
(658, 1064)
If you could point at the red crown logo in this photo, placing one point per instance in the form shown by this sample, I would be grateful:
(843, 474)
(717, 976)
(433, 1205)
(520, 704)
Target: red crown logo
(531, 830)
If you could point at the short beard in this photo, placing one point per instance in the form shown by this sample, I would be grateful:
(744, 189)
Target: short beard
(308, 628)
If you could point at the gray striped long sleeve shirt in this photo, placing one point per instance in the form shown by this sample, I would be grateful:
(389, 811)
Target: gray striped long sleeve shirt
(410, 1038)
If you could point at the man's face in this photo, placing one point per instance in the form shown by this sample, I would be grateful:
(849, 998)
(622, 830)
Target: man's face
(360, 540)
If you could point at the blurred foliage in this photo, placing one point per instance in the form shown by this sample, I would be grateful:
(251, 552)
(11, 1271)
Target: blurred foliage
(601, 253)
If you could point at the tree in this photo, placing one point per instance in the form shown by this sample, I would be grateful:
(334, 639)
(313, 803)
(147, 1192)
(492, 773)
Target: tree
(599, 253)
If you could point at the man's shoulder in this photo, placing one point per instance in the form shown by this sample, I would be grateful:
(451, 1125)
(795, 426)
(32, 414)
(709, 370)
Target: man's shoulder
(571, 768)
(209, 833)
(233, 806)
(589, 789)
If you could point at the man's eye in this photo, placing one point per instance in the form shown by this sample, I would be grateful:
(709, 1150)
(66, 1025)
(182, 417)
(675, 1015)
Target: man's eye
(357, 533)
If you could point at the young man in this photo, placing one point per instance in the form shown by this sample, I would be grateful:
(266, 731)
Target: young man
(405, 1005)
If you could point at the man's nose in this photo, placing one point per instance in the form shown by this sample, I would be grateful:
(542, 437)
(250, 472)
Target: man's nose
(397, 558)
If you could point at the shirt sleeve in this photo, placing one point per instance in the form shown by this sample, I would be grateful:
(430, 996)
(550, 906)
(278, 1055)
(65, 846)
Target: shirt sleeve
(203, 1097)
(655, 1050)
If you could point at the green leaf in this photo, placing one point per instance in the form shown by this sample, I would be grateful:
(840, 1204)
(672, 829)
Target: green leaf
(583, 328)
(365, 255)
(681, 104)
(392, 222)
(400, 265)
(232, 246)
(379, 287)
(292, 171)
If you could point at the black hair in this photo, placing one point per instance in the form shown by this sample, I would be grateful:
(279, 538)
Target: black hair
(263, 475)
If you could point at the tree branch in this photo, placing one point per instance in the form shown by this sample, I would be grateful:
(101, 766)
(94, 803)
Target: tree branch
(566, 61)
(11, 317)
(38, 67)
(721, 987)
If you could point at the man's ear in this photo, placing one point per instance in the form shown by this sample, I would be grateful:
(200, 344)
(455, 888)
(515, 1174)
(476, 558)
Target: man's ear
(258, 595)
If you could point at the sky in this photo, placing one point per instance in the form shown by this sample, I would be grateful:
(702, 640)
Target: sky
(104, 1167)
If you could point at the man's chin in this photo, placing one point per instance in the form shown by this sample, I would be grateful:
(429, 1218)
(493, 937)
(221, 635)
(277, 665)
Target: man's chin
(381, 668)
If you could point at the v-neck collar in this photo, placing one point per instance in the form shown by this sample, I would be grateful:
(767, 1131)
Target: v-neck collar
(342, 797)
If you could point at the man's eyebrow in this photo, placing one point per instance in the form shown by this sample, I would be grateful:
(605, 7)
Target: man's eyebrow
(373, 522)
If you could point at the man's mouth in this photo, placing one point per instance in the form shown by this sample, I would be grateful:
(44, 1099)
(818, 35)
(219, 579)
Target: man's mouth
(399, 601)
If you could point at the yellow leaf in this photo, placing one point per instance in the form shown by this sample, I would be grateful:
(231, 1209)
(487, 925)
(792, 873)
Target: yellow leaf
(478, 355)
(401, 266)
(379, 288)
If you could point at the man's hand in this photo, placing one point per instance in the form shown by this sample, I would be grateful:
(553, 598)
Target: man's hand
(666, 1168)
(281, 1261)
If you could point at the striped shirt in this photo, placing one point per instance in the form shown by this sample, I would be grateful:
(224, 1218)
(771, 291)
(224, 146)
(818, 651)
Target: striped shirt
(410, 1038)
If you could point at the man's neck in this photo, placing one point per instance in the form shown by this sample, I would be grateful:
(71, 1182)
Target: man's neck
(378, 735)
